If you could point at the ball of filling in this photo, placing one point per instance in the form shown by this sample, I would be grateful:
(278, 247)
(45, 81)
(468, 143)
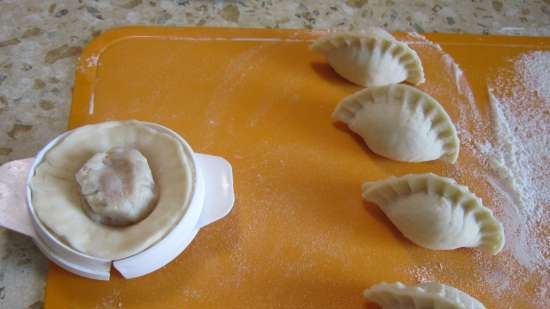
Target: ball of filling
(118, 187)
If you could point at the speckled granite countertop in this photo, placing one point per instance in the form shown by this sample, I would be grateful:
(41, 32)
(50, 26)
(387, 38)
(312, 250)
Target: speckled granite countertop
(41, 40)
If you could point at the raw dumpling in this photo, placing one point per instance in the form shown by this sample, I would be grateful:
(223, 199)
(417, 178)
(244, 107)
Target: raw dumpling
(429, 295)
(118, 186)
(371, 58)
(400, 122)
(436, 213)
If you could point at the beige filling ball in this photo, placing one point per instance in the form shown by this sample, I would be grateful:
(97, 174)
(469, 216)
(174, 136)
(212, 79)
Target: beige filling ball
(118, 187)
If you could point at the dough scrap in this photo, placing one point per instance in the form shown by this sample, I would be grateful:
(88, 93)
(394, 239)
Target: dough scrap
(117, 186)
(436, 213)
(56, 195)
(371, 58)
(401, 123)
(429, 295)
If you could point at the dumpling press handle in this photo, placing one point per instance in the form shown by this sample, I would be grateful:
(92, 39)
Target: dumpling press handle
(219, 196)
(13, 206)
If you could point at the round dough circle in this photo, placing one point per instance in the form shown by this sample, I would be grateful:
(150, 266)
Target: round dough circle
(57, 201)
(117, 186)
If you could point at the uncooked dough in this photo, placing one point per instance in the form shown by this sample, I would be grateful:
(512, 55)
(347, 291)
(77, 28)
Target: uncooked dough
(428, 295)
(371, 58)
(436, 213)
(118, 186)
(57, 201)
(401, 123)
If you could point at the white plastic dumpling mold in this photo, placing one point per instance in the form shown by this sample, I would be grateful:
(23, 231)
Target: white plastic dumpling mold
(212, 199)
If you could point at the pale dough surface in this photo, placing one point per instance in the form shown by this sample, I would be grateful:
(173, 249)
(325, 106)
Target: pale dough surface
(427, 295)
(371, 58)
(436, 213)
(401, 123)
(56, 194)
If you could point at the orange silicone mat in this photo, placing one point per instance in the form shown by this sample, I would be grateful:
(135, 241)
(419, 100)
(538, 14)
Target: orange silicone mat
(300, 235)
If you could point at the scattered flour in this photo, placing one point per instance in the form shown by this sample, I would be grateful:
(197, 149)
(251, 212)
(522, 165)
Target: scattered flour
(510, 152)
(422, 274)
(519, 153)
(517, 159)
(534, 68)
(92, 61)
(521, 124)
(110, 301)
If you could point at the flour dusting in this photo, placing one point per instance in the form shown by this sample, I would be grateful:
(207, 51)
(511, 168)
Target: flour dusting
(92, 61)
(534, 69)
(521, 124)
(110, 301)
(422, 274)
(519, 153)
(508, 147)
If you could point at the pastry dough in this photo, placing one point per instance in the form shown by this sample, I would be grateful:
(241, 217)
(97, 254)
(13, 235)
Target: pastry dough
(436, 213)
(371, 58)
(56, 195)
(400, 122)
(117, 186)
(429, 295)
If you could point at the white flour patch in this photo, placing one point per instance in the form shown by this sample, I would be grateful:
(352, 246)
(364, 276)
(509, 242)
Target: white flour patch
(534, 68)
(111, 301)
(508, 147)
(92, 61)
(87, 63)
(519, 156)
(422, 274)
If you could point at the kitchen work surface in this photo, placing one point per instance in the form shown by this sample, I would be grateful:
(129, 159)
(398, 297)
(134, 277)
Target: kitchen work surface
(40, 42)
(300, 235)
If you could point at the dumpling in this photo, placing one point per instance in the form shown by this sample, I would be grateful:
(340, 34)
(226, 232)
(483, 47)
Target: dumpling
(436, 213)
(429, 295)
(401, 123)
(371, 58)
